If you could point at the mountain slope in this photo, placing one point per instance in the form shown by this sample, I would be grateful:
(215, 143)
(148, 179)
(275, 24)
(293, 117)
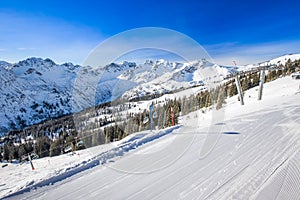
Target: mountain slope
(255, 157)
(34, 90)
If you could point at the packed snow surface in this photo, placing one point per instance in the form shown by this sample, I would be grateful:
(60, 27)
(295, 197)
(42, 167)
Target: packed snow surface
(252, 152)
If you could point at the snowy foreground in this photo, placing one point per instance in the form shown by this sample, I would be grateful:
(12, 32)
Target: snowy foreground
(241, 152)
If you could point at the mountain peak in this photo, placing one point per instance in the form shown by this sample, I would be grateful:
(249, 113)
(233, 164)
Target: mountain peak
(113, 67)
(129, 64)
(31, 61)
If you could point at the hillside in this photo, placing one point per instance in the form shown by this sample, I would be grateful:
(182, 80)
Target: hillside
(255, 155)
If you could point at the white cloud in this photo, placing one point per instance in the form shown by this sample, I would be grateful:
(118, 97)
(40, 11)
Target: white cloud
(25, 49)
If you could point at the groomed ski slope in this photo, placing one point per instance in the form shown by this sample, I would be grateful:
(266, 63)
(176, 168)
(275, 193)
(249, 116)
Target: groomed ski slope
(255, 156)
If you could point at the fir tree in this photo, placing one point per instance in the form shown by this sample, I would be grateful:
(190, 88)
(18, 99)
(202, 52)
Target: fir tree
(21, 151)
(1, 157)
(42, 146)
(55, 148)
(6, 152)
(13, 154)
(255, 81)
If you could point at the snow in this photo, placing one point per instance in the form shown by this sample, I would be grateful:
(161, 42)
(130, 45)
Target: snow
(165, 77)
(45, 168)
(281, 60)
(284, 183)
(254, 156)
(248, 67)
(52, 169)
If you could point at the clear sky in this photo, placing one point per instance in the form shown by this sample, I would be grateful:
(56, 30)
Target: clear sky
(66, 31)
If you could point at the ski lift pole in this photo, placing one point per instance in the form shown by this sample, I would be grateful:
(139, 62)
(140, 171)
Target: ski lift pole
(239, 88)
(29, 158)
(238, 85)
(261, 83)
(150, 108)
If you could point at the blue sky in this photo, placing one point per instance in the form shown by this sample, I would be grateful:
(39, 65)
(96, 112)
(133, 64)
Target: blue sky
(66, 31)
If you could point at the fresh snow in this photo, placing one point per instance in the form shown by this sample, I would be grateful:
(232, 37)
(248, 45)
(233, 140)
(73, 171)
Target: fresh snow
(255, 156)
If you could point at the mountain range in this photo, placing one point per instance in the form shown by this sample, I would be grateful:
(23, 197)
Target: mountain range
(35, 89)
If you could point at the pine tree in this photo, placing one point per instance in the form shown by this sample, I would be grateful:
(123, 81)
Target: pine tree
(232, 90)
(6, 152)
(194, 102)
(29, 147)
(177, 108)
(203, 99)
(255, 79)
(42, 146)
(106, 135)
(21, 151)
(55, 148)
(273, 75)
(13, 154)
(160, 117)
(1, 157)
(208, 100)
(245, 84)
(288, 67)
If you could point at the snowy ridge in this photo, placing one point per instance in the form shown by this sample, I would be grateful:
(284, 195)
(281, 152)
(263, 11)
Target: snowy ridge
(166, 77)
(281, 60)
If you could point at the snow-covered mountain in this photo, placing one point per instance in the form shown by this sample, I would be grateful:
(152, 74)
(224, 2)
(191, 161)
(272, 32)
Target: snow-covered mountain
(163, 77)
(37, 89)
(34, 90)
